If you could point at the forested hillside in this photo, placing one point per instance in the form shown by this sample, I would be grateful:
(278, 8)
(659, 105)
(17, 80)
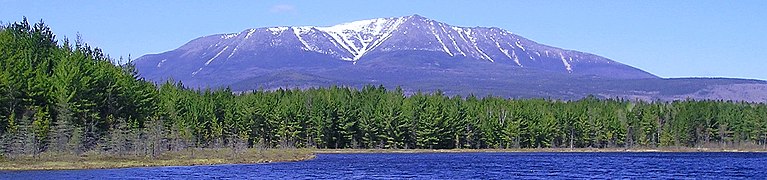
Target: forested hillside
(70, 97)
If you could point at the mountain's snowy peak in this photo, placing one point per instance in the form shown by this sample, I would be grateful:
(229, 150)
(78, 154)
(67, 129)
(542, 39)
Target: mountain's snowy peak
(369, 26)
(410, 44)
(359, 37)
(352, 41)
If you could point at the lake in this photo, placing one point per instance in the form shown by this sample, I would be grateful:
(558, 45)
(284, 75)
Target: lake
(453, 166)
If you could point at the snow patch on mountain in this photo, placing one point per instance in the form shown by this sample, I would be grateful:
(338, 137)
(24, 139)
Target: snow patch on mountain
(567, 64)
(298, 31)
(250, 33)
(519, 45)
(216, 56)
(359, 37)
(161, 62)
(277, 30)
(516, 59)
(232, 53)
(229, 36)
(504, 51)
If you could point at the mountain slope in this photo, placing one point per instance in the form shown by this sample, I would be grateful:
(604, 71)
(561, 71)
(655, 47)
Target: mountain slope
(412, 51)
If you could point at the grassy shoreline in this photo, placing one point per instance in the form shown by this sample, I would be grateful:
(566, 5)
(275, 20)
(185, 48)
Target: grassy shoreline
(59, 161)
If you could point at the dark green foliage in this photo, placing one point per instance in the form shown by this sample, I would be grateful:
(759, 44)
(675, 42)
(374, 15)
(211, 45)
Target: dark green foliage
(373, 117)
(72, 98)
(56, 93)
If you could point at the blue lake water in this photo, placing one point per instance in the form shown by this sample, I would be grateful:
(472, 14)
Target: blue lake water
(454, 166)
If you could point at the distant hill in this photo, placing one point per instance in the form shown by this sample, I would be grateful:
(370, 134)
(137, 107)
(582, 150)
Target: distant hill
(418, 53)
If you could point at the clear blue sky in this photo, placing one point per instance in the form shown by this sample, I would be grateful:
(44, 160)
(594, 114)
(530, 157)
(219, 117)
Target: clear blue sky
(679, 38)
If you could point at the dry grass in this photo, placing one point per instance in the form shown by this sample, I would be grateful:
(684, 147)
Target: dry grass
(60, 161)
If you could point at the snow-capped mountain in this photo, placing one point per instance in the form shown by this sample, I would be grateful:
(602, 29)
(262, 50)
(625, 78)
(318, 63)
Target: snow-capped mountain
(352, 41)
(393, 51)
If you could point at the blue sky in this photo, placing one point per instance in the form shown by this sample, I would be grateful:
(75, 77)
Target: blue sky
(679, 38)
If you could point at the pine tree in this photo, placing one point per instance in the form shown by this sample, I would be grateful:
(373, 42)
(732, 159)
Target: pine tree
(63, 129)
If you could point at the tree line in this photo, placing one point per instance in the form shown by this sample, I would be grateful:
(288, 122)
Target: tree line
(70, 97)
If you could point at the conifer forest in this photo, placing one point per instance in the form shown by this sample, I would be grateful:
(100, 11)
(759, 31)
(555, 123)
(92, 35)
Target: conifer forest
(63, 96)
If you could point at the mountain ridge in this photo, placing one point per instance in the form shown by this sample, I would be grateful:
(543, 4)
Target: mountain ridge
(411, 46)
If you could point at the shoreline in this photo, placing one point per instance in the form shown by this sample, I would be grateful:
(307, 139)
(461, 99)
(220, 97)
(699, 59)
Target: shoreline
(51, 161)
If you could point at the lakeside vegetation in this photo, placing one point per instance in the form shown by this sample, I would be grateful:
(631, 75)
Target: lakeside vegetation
(63, 98)
(188, 157)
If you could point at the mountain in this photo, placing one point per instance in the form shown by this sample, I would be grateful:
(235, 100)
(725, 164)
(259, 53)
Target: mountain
(418, 53)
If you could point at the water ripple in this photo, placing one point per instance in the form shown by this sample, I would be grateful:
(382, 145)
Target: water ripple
(454, 166)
